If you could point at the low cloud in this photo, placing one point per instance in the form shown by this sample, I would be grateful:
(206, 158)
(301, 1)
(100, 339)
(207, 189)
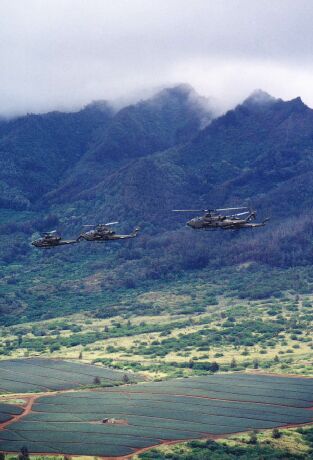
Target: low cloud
(61, 54)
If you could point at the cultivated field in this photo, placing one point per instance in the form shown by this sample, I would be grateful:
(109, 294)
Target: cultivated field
(122, 420)
(35, 374)
(8, 411)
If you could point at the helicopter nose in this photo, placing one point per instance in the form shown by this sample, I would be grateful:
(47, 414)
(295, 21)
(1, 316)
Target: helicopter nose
(191, 223)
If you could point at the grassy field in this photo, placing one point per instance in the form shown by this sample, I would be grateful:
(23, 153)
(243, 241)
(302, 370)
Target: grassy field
(146, 414)
(239, 321)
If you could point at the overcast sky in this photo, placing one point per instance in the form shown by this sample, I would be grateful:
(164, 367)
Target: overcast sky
(61, 54)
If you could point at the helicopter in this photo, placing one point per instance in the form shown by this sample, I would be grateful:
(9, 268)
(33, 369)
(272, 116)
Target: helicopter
(214, 219)
(103, 232)
(50, 240)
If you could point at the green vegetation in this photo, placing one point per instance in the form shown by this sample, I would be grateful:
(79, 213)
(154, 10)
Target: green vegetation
(293, 444)
(251, 317)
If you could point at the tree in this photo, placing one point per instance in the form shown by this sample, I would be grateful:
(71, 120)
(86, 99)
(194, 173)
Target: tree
(214, 367)
(253, 437)
(2, 456)
(276, 434)
(24, 454)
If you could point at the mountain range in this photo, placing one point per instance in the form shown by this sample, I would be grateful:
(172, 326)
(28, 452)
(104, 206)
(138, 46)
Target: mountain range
(135, 164)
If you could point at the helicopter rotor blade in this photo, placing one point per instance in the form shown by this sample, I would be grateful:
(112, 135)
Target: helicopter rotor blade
(189, 210)
(231, 209)
(241, 213)
(111, 223)
(210, 210)
(49, 233)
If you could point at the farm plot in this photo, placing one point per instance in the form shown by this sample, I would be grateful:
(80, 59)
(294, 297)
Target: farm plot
(8, 411)
(119, 421)
(35, 374)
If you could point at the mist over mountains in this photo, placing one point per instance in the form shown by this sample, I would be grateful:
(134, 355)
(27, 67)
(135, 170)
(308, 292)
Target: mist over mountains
(63, 170)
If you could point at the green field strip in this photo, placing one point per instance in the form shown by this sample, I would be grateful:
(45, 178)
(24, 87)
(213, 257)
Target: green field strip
(177, 407)
(15, 446)
(271, 379)
(17, 380)
(10, 409)
(257, 389)
(187, 416)
(10, 435)
(281, 410)
(174, 424)
(101, 449)
(5, 417)
(17, 387)
(57, 417)
(241, 383)
(232, 389)
(106, 397)
(169, 432)
(84, 437)
(30, 372)
(79, 369)
(190, 416)
(216, 394)
(59, 374)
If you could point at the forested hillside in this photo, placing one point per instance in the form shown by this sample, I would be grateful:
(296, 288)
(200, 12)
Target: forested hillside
(64, 170)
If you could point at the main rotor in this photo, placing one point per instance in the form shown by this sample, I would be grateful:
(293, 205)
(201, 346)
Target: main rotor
(217, 210)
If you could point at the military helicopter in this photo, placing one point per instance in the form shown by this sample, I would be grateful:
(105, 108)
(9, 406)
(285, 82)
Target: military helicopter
(50, 240)
(103, 232)
(214, 219)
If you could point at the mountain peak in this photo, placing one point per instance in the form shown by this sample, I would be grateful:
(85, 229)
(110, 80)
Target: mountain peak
(180, 91)
(259, 98)
(297, 103)
(100, 105)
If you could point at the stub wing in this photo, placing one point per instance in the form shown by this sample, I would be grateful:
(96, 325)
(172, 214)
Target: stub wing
(126, 237)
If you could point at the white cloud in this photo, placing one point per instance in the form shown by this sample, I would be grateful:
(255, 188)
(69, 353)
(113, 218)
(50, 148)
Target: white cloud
(65, 53)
